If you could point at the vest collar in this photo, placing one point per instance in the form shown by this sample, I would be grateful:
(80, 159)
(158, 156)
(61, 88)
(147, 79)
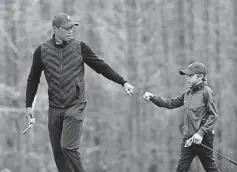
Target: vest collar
(57, 44)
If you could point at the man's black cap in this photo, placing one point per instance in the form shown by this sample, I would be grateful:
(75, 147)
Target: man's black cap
(63, 20)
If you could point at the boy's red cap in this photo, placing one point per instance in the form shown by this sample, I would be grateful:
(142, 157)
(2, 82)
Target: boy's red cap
(194, 68)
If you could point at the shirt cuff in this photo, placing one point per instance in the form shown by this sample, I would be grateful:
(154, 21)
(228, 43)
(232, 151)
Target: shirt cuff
(123, 82)
(201, 132)
(154, 98)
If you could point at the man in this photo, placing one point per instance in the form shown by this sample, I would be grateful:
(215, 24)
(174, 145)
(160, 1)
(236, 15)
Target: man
(200, 115)
(62, 58)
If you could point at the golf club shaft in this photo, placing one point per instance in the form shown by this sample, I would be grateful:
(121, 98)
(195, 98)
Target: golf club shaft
(220, 154)
(27, 129)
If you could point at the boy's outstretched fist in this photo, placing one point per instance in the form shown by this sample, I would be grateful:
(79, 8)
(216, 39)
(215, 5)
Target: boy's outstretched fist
(147, 96)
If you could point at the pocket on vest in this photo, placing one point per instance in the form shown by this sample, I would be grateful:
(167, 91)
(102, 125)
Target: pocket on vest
(78, 90)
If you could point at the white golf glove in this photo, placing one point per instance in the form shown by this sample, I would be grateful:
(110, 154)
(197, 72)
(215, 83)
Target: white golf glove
(147, 96)
(197, 139)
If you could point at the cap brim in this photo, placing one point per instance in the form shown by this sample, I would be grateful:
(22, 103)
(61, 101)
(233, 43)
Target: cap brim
(69, 24)
(186, 72)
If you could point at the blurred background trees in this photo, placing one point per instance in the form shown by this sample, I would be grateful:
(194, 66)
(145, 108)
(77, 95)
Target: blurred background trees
(147, 42)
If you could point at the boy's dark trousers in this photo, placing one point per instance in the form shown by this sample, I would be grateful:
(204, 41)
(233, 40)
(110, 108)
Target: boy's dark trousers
(205, 155)
(65, 128)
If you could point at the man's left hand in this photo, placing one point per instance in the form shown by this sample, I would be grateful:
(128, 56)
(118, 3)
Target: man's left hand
(128, 88)
(197, 139)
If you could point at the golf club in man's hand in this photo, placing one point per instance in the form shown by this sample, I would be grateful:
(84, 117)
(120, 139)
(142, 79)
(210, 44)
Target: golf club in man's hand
(30, 117)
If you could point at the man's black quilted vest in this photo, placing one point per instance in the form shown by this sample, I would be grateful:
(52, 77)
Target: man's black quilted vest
(64, 72)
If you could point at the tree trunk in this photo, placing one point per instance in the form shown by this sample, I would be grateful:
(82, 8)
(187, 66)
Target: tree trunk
(45, 10)
(218, 73)
(68, 7)
(165, 41)
(11, 73)
(234, 59)
(132, 53)
(179, 35)
(206, 29)
(191, 22)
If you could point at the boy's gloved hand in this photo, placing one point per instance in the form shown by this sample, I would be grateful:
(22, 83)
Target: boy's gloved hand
(197, 139)
(147, 96)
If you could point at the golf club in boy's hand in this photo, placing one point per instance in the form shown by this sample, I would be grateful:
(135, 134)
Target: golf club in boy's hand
(189, 142)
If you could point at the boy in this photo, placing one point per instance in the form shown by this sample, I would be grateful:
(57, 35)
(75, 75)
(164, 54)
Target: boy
(200, 115)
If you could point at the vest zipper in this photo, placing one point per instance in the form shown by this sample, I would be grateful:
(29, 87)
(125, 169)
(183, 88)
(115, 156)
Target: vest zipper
(61, 72)
(61, 65)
